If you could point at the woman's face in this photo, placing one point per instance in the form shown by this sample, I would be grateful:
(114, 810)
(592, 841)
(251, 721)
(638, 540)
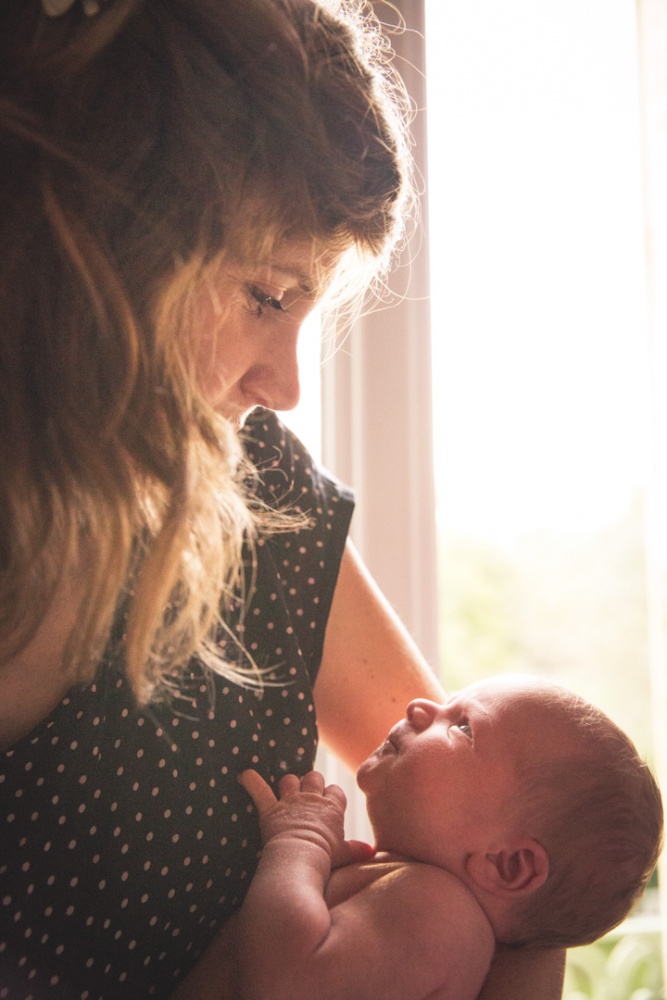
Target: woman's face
(248, 321)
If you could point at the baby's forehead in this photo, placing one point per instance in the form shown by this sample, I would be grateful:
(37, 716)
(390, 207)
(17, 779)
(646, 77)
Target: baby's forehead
(530, 715)
(509, 691)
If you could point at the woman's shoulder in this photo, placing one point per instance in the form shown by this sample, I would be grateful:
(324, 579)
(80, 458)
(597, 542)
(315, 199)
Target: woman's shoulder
(288, 475)
(271, 445)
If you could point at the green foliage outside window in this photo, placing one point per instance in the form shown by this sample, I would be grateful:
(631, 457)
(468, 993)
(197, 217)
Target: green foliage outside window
(569, 608)
(573, 609)
(616, 968)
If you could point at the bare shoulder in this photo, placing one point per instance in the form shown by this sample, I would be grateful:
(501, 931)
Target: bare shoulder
(429, 924)
(451, 927)
(401, 876)
(441, 899)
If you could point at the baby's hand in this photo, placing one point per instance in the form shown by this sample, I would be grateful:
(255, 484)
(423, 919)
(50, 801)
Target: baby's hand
(306, 810)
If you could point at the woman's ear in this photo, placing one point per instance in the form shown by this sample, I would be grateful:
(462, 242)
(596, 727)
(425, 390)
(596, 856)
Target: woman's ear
(510, 871)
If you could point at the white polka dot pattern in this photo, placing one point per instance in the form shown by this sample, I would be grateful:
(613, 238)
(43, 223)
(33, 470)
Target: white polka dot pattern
(126, 839)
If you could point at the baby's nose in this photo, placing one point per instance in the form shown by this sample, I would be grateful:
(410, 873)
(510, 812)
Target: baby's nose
(420, 713)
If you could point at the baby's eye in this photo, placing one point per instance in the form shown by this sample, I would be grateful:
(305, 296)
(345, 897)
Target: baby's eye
(263, 300)
(465, 728)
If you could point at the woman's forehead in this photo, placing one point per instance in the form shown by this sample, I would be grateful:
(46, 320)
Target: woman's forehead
(303, 264)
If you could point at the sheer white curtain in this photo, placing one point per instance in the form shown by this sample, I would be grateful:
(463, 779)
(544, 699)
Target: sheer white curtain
(376, 412)
(377, 402)
(652, 23)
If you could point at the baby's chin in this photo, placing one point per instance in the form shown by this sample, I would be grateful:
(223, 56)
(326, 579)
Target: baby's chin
(368, 766)
(363, 769)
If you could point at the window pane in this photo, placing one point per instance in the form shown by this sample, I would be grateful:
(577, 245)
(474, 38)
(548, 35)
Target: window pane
(540, 363)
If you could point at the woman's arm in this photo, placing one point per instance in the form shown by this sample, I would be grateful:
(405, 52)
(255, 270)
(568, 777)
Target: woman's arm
(525, 975)
(371, 669)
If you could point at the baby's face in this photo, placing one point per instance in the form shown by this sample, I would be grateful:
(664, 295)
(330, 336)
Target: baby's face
(444, 783)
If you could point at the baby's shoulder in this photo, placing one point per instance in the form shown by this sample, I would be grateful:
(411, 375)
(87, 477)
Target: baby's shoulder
(420, 909)
(351, 879)
(435, 889)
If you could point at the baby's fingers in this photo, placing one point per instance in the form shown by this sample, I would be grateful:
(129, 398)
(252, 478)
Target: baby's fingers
(289, 784)
(292, 784)
(258, 790)
(336, 793)
(313, 782)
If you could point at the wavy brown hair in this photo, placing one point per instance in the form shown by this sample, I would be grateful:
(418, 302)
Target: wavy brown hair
(138, 148)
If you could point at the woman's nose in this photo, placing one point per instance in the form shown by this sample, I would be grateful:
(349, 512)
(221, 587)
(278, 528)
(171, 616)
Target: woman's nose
(273, 381)
(420, 713)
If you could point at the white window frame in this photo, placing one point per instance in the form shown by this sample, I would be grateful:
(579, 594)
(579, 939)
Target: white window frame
(652, 35)
(377, 410)
(377, 419)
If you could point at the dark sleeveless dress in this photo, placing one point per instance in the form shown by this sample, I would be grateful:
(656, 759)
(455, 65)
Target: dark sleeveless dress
(126, 841)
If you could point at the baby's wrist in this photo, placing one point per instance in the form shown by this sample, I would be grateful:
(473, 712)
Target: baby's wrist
(300, 845)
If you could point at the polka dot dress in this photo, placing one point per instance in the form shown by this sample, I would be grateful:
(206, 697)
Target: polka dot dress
(126, 840)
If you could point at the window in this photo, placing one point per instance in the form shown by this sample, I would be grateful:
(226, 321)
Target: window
(543, 457)
(542, 420)
(539, 338)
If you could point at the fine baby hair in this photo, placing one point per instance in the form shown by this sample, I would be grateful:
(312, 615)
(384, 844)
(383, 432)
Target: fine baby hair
(597, 810)
(142, 148)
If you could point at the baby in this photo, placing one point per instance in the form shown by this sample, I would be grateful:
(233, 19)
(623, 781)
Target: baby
(515, 813)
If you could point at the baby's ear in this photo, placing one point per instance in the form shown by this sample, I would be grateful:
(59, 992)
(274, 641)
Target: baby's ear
(510, 871)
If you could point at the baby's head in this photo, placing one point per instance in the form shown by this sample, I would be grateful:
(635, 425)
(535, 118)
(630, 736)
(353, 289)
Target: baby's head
(596, 809)
(528, 793)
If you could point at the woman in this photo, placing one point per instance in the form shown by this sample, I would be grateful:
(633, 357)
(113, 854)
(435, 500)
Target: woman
(181, 182)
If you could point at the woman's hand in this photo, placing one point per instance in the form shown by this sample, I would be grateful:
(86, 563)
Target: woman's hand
(306, 810)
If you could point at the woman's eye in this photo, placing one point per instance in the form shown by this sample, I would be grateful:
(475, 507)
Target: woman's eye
(262, 300)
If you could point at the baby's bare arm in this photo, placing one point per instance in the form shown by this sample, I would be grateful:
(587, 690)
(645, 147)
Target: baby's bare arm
(285, 921)
(284, 916)
(413, 933)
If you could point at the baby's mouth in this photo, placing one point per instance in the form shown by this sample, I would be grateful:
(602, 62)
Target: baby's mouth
(392, 741)
(387, 748)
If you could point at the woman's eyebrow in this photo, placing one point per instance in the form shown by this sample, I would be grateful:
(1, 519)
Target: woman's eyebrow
(296, 275)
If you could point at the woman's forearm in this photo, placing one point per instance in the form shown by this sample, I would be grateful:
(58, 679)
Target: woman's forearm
(530, 974)
(215, 976)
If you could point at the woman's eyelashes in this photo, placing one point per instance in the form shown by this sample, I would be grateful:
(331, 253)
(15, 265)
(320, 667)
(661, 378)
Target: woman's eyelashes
(261, 300)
